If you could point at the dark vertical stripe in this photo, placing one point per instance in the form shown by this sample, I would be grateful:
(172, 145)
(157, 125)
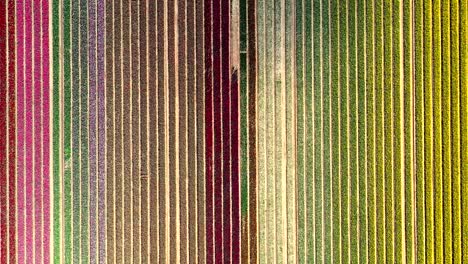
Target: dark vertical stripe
(464, 122)
(75, 131)
(37, 126)
(84, 133)
(252, 129)
(277, 122)
(172, 89)
(3, 131)
(21, 128)
(192, 157)
(309, 162)
(437, 128)
(200, 127)
(57, 127)
(419, 110)
(217, 121)
(398, 147)
(353, 136)
(335, 115)
(101, 126)
(244, 158)
(244, 165)
(154, 128)
(30, 112)
(379, 131)
(305, 244)
(93, 137)
(143, 126)
(288, 136)
(455, 129)
(12, 110)
(162, 146)
(388, 139)
(317, 131)
(299, 59)
(235, 176)
(110, 125)
(135, 172)
(370, 94)
(344, 131)
(446, 107)
(209, 133)
(46, 131)
(428, 130)
(118, 134)
(269, 92)
(408, 206)
(327, 147)
(182, 72)
(226, 133)
(427, 154)
(127, 179)
(67, 136)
